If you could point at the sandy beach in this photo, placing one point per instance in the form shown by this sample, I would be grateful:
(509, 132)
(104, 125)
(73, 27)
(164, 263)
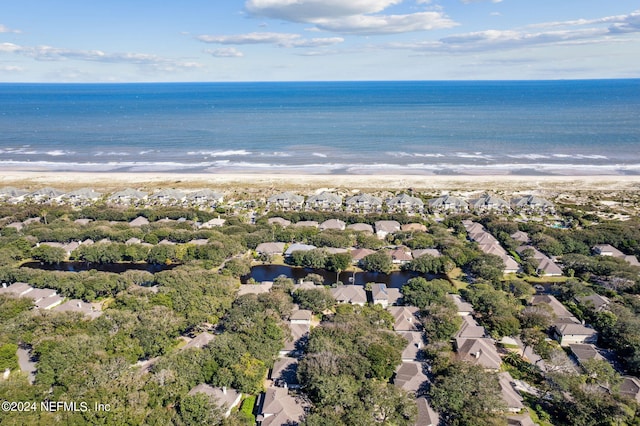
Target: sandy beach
(306, 182)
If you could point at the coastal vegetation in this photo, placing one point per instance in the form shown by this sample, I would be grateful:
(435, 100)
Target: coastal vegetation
(140, 352)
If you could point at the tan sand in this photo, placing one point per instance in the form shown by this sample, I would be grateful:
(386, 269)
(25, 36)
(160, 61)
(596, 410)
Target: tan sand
(309, 182)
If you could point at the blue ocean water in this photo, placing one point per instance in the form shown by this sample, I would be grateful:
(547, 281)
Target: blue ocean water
(522, 127)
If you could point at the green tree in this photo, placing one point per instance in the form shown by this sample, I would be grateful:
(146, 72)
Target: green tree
(379, 261)
(49, 255)
(315, 299)
(465, 394)
(338, 262)
(199, 409)
(487, 266)
(8, 357)
(237, 267)
(422, 293)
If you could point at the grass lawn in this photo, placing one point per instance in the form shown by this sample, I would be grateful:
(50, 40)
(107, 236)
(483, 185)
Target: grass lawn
(536, 280)
(247, 406)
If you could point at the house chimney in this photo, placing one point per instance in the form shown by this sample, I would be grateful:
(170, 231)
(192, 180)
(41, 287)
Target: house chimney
(79, 304)
(224, 390)
(477, 354)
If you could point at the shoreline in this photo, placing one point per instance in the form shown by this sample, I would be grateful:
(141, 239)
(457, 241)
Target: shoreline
(305, 181)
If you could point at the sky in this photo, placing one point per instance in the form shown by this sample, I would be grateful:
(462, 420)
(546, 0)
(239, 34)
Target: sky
(317, 40)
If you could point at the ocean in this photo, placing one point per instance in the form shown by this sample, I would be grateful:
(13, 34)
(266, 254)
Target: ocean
(408, 127)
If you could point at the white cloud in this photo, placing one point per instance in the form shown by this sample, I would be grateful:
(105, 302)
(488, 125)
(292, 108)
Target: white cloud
(350, 17)
(478, 1)
(278, 39)
(5, 29)
(576, 32)
(49, 53)
(632, 19)
(387, 24)
(311, 10)
(11, 68)
(226, 52)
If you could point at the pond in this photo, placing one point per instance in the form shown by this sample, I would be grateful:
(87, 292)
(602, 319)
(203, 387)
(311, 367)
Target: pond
(394, 279)
(116, 268)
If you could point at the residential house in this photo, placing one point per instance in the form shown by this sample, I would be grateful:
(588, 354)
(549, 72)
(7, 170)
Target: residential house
(385, 227)
(9, 193)
(301, 316)
(488, 203)
(400, 255)
(596, 301)
(630, 387)
(285, 373)
(426, 415)
(510, 395)
(410, 377)
(280, 408)
(479, 351)
(298, 247)
(199, 242)
(609, 250)
(278, 221)
(168, 196)
(351, 294)
(139, 221)
(75, 305)
(82, 196)
(324, 201)
(560, 312)
(584, 352)
(358, 254)
(520, 236)
(336, 224)
(412, 352)
(270, 249)
(227, 398)
(67, 247)
(205, 197)
(128, 196)
(17, 289)
(490, 245)
(306, 224)
(47, 303)
(413, 227)
(285, 200)
(546, 266)
(299, 333)
(384, 296)
(470, 329)
(213, 223)
(425, 252)
(44, 195)
(364, 203)
(405, 318)
(361, 227)
(464, 308)
(569, 333)
(531, 203)
(523, 419)
(447, 203)
(263, 287)
(405, 203)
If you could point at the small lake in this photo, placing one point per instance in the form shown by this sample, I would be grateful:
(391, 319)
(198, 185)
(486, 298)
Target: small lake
(116, 268)
(395, 279)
